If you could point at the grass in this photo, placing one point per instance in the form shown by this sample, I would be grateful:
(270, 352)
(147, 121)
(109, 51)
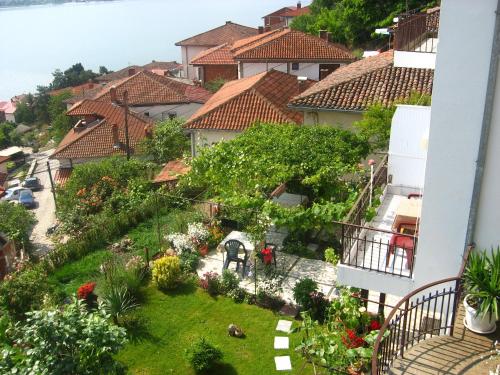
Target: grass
(166, 323)
(172, 321)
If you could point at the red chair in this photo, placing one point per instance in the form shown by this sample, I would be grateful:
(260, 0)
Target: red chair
(403, 242)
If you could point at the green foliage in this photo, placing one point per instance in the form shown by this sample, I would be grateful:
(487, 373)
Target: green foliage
(71, 340)
(353, 21)
(202, 355)
(229, 281)
(117, 302)
(215, 85)
(168, 141)
(482, 281)
(8, 135)
(25, 110)
(166, 272)
(24, 291)
(189, 261)
(16, 222)
(61, 123)
(73, 76)
(302, 292)
(331, 256)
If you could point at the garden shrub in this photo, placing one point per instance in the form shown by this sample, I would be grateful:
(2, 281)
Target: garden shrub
(86, 293)
(70, 340)
(166, 272)
(268, 292)
(302, 292)
(238, 295)
(16, 222)
(295, 244)
(202, 355)
(117, 301)
(211, 283)
(189, 261)
(331, 256)
(229, 281)
(318, 306)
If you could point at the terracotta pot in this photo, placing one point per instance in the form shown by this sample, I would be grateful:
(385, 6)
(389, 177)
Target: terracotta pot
(203, 250)
(482, 324)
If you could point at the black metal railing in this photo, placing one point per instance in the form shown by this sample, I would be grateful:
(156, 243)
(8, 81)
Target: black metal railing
(416, 32)
(371, 249)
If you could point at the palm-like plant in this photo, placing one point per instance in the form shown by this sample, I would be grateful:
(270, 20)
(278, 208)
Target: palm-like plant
(117, 302)
(482, 282)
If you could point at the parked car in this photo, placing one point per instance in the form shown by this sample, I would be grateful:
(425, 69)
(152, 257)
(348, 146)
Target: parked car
(26, 198)
(32, 183)
(13, 183)
(12, 194)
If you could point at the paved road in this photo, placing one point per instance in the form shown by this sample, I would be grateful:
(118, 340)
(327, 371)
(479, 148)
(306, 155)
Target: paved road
(45, 211)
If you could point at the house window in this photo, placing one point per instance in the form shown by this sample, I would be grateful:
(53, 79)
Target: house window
(327, 69)
(146, 114)
(295, 66)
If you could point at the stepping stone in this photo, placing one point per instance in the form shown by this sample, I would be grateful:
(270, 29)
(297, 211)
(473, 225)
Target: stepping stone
(283, 363)
(281, 342)
(284, 326)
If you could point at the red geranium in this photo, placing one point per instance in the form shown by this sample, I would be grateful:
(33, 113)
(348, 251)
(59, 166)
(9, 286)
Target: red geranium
(374, 325)
(352, 340)
(267, 255)
(85, 290)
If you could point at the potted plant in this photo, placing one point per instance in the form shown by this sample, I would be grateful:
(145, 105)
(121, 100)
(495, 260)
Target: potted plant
(482, 284)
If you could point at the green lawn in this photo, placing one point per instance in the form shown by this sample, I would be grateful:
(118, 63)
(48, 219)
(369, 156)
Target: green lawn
(173, 320)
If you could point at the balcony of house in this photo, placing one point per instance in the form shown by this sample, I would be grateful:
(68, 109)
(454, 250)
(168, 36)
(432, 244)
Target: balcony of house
(416, 39)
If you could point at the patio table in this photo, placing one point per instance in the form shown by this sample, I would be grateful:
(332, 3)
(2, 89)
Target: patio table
(408, 212)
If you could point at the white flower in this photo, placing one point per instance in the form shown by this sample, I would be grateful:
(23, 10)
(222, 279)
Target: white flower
(362, 309)
(180, 242)
(198, 232)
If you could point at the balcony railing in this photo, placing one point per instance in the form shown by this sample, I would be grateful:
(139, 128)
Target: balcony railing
(378, 250)
(417, 32)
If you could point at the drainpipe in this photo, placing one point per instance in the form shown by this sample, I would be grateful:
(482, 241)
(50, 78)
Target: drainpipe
(485, 130)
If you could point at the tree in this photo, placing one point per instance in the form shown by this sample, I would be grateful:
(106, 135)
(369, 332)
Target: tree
(16, 222)
(74, 76)
(60, 123)
(25, 113)
(8, 135)
(168, 141)
(103, 70)
(69, 340)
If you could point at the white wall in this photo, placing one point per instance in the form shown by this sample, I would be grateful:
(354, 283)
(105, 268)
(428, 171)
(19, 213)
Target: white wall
(206, 138)
(408, 145)
(458, 102)
(340, 119)
(309, 70)
(422, 60)
(188, 53)
(160, 112)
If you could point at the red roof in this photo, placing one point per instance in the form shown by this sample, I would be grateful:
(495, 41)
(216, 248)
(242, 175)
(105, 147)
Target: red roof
(220, 55)
(291, 11)
(4, 159)
(62, 175)
(76, 90)
(146, 88)
(8, 107)
(372, 80)
(227, 33)
(172, 170)
(95, 139)
(291, 45)
(239, 104)
(154, 66)
(3, 179)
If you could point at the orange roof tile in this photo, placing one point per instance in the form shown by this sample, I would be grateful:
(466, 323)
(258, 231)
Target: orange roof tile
(219, 55)
(62, 175)
(152, 66)
(291, 45)
(227, 33)
(239, 104)
(172, 170)
(96, 139)
(372, 80)
(146, 88)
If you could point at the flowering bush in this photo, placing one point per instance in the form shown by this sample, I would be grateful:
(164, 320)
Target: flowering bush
(215, 235)
(352, 340)
(166, 272)
(268, 292)
(85, 290)
(374, 325)
(211, 283)
(180, 242)
(267, 255)
(136, 263)
(198, 233)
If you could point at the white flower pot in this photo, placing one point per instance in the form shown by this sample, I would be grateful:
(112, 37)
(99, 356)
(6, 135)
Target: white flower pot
(482, 324)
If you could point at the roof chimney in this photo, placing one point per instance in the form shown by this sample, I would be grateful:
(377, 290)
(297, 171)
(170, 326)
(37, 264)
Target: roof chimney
(261, 29)
(131, 72)
(228, 22)
(116, 140)
(299, 5)
(112, 93)
(323, 34)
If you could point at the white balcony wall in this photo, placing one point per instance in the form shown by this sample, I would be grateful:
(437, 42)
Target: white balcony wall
(408, 146)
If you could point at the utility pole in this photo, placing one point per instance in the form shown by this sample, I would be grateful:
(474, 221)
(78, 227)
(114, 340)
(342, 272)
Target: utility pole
(52, 188)
(125, 107)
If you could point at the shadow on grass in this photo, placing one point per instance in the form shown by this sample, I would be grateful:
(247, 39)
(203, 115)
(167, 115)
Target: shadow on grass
(138, 330)
(219, 369)
(185, 288)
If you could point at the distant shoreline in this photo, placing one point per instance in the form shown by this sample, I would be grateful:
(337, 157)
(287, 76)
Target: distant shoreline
(27, 3)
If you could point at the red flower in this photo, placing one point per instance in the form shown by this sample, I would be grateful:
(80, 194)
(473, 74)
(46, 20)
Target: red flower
(85, 290)
(374, 325)
(267, 255)
(352, 340)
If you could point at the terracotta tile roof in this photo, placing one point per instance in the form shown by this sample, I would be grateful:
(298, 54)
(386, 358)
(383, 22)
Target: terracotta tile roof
(290, 45)
(87, 94)
(3, 179)
(8, 107)
(295, 12)
(227, 33)
(76, 90)
(146, 88)
(4, 159)
(96, 139)
(62, 175)
(155, 65)
(373, 80)
(220, 55)
(172, 170)
(239, 104)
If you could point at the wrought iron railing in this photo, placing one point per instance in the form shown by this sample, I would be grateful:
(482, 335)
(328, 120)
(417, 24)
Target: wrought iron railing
(371, 249)
(417, 32)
